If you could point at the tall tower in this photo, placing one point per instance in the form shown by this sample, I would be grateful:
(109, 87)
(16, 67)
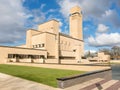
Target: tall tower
(76, 23)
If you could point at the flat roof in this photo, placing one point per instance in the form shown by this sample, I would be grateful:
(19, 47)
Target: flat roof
(49, 21)
(68, 36)
(23, 48)
(43, 33)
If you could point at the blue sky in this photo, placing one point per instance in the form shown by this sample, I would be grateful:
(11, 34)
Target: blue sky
(101, 20)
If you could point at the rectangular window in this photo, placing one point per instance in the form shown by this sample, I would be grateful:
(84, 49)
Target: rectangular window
(43, 45)
(39, 45)
(66, 43)
(33, 46)
(61, 42)
(10, 56)
(69, 43)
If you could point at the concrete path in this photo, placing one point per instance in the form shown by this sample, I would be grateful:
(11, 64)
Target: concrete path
(62, 66)
(97, 84)
(8, 82)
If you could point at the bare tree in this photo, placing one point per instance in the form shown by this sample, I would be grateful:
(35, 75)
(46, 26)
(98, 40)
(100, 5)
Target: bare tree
(105, 50)
(115, 52)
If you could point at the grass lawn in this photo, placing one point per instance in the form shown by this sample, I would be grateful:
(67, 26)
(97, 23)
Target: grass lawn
(42, 75)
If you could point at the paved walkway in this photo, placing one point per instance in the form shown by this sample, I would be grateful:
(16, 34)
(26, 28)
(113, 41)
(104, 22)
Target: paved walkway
(63, 66)
(97, 84)
(8, 82)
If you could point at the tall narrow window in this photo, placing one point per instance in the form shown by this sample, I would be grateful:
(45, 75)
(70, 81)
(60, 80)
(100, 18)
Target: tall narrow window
(39, 45)
(43, 45)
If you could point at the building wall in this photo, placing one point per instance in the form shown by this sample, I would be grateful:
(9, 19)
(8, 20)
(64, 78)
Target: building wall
(15, 50)
(50, 44)
(49, 41)
(39, 41)
(52, 40)
(102, 56)
(48, 38)
(29, 35)
(51, 26)
(76, 23)
(71, 47)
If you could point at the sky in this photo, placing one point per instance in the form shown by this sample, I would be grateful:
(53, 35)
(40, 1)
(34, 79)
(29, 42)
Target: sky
(101, 20)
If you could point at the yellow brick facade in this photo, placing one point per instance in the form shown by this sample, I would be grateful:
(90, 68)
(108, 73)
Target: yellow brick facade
(54, 46)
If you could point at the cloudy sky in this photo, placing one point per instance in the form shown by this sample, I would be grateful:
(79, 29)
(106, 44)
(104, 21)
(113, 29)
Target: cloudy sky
(101, 20)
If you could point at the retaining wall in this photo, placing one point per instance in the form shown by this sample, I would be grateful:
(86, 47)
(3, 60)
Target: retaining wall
(70, 81)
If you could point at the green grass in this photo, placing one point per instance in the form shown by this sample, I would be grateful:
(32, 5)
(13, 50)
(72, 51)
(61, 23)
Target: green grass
(42, 75)
(112, 63)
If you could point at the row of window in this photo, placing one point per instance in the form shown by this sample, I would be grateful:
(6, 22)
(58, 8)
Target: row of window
(65, 43)
(23, 56)
(39, 45)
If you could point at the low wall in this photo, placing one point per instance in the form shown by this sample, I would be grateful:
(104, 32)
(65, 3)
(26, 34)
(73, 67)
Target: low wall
(69, 61)
(70, 81)
(51, 61)
(5, 50)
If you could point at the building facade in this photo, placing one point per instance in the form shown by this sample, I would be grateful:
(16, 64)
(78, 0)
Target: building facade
(48, 45)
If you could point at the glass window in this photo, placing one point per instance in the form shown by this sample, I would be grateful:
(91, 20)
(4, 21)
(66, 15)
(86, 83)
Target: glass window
(33, 46)
(43, 45)
(36, 46)
(39, 45)
(10, 56)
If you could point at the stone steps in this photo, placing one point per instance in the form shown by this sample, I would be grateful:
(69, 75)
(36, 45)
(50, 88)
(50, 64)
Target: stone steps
(97, 84)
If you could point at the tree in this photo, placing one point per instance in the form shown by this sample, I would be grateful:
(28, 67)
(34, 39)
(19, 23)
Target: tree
(89, 54)
(105, 50)
(115, 52)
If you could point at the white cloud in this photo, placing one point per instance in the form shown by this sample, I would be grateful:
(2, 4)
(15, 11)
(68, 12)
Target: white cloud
(15, 18)
(12, 19)
(42, 6)
(102, 28)
(105, 39)
(92, 51)
(38, 16)
(98, 10)
(112, 17)
(65, 9)
(89, 8)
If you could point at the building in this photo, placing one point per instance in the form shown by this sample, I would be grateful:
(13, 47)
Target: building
(101, 57)
(48, 45)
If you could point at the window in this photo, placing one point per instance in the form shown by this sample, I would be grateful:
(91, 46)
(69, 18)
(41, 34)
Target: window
(39, 45)
(69, 43)
(33, 46)
(61, 42)
(43, 45)
(74, 50)
(65, 42)
(10, 56)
